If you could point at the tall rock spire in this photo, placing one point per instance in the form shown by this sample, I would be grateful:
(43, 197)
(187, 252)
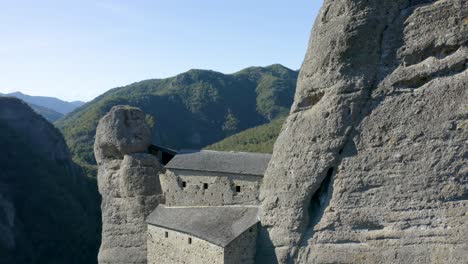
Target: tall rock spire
(128, 180)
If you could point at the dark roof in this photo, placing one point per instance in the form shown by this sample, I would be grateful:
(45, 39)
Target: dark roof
(164, 154)
(163, 149)
(221, 161)
(218, 225)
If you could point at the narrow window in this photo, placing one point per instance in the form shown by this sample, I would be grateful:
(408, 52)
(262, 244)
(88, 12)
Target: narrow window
(166, 234)
(184, 184)
(205, 186)
(238, 188)
(190, 240)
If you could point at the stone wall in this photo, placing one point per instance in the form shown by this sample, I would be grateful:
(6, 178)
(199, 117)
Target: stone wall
(221, 188)
(242, 249)
(175, 248)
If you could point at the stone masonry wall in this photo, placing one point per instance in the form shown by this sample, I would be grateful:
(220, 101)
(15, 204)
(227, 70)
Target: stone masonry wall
(242, 249)
(221, 188)
(175, 249)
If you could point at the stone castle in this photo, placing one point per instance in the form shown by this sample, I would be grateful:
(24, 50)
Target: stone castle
(210, 213)
(201, 206)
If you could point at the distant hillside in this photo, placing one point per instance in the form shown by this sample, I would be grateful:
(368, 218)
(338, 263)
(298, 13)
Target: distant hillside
(191, 110)
(257, 139)
(77, 103)
(52, 103)
(49, 114)
(49, 210)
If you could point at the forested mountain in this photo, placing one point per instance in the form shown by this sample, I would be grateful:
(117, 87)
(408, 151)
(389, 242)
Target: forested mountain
(47, 113)
(52, 103)
(191, 110)
(49, 210)
(256, 139)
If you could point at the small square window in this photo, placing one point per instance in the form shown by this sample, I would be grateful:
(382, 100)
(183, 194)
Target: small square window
(166, 234)
(205, 186)
(184, 184)
(190, 240)
(238, 189)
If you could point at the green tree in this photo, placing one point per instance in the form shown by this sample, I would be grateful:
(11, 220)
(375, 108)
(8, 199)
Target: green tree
(231, 123)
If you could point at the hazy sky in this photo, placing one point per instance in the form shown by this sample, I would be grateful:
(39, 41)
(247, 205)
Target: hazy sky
(76, 50)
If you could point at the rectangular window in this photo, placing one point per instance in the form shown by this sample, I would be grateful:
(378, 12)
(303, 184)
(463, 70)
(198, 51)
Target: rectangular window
(205, 186)
(184, 184)
(166, 234)
(190, 240)
(238, 189)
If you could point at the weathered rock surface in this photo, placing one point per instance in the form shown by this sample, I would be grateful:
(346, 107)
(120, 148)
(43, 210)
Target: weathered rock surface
(121, 132)
(128, 182)
(40, 134)
(48, 207)
(370, 166)
(7, 223)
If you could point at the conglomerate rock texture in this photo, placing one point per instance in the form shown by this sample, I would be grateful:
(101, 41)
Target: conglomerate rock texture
(371, 164)
(128, 180)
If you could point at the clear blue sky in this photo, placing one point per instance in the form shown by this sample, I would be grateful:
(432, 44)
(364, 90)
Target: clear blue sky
(76, 50)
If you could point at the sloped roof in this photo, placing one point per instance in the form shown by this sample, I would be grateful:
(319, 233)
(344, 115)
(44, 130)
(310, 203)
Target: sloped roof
(221, 161)
(163, 149)
(219, 225)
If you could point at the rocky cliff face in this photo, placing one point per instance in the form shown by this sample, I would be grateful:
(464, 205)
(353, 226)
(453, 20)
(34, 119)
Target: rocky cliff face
(128, 182)
(370, 166)
(42, 136)
(47, 205)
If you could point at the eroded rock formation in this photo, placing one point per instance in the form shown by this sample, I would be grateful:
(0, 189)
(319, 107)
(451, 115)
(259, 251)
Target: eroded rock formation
(128, 182)
(48, 207)
(370, 166)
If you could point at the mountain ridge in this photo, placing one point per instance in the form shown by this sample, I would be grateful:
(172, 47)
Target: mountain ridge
(47, 113)
(52, 103)
(192, 109)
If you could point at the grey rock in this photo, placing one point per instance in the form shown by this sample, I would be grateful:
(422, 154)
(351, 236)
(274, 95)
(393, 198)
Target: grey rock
(370, 166)
(122, 131)
(128, 180)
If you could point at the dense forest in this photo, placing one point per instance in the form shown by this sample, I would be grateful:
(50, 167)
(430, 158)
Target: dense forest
(257, 139)
(47, 113)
